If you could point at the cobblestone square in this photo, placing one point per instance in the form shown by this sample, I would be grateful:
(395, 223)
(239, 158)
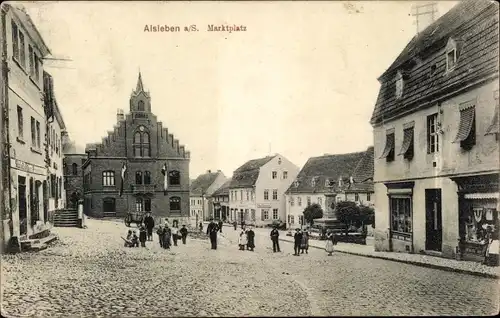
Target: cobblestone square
(88, 272)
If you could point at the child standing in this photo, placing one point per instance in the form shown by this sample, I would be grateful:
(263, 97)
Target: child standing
(143, 235)
(160, 235)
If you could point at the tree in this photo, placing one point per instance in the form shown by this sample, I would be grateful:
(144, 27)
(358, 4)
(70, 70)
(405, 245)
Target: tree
(352, 214)
(312, 212)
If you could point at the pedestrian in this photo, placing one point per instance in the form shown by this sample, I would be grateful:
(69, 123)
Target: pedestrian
(331, 240)
(297, 238)
(184, 233)
(275, 239)
(142, 235)
(135, 239)
(167, 233)
(304, 243)
(129, 239)
(160, 233)
(220, 225)
(201, 226)
(242, 224)
(175, 234)
(242, 240)
(235, 224)
(149, 222)
(250, 239)
(212, 230)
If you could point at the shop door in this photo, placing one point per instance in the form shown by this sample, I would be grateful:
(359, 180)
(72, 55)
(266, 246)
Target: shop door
(433, 220)
(23, 213)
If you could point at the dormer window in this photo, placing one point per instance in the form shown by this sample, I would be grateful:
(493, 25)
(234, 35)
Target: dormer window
(340, 182)
(451, 55)
(296, 184)
(399, 85)
(313, 182)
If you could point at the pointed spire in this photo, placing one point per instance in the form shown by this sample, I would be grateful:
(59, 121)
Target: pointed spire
(140, 86)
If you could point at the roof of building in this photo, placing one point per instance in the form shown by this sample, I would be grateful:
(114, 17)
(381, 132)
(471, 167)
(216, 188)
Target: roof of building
(247, 174)
(223, 189)
(326, 168)
(473, 25)
(20, 11)
(200, 185)
(363, 173)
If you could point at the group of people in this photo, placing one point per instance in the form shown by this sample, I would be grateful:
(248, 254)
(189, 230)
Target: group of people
(246, 239)
(166, 234)
(301, 241)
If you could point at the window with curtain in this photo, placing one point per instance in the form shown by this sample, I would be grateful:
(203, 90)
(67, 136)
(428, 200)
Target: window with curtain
(138, 177)
(147, 177)
(108, 178)
(175, 204)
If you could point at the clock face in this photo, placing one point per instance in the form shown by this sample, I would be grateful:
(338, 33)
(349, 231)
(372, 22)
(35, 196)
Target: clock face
(141, 128)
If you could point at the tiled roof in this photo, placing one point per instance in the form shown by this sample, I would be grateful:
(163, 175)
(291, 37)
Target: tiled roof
(246, 175)
(330, 167)
(364, 169)
(473, 25)
(202, 183)
(223, 190)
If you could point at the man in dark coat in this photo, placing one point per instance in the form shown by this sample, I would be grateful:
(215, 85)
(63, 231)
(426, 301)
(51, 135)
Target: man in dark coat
(250, 239)
(149, 222)
(235, 224)
(220, 225)
(275, 239)
(297, 238)
(212, 230)
(184, 233)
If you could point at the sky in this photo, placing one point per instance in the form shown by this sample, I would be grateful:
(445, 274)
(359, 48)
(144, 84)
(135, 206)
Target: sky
(301, 81)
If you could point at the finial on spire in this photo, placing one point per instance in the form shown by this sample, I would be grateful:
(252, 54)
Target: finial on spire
(140, 86)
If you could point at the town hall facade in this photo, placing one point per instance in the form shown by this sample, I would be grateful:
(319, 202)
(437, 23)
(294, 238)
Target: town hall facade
(140, 145)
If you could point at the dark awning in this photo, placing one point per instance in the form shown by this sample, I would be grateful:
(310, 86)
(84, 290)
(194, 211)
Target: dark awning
(465, 125)
(407, 140)
(389, 145)
(494, 127)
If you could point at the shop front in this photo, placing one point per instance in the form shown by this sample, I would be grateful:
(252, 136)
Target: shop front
(478, 203)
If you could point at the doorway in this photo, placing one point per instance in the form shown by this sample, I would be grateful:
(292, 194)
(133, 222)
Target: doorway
(433, 220)
(23, 215)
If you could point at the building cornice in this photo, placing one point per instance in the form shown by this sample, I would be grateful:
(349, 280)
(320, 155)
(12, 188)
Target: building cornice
(449, 175)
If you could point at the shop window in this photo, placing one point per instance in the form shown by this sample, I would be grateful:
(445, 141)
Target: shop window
(480, 221)
(401, 218)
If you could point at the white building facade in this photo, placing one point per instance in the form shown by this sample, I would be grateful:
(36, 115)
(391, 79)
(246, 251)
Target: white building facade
(257, 190)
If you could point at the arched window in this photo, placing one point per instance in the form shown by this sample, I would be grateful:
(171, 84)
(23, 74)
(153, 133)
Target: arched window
(174, 177)
(139, 204)
(175, 204)
(147, 177)
(141, 143)
(108, 178)
(138, 177)
(147, 204)
(74, 168)
(140, 106)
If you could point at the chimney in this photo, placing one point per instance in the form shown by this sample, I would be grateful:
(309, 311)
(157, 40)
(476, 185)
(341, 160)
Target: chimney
(425, 13)
(119, 115)
(209, 171)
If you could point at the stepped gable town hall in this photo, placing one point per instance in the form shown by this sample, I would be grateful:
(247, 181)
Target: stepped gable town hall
(141, 144)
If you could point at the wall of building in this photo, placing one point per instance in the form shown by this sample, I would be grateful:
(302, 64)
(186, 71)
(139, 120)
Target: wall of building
(265, 181)
(450, 161)
(297, 210)
(54, 145)
(73, 183)
(27, 158)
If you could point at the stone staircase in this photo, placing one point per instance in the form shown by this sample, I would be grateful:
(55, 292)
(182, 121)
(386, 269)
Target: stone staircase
(66, 218)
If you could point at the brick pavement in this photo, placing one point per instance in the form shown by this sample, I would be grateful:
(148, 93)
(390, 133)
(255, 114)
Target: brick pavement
(466, 267)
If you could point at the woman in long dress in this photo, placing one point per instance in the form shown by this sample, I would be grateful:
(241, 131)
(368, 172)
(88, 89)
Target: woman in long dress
(329, 243)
